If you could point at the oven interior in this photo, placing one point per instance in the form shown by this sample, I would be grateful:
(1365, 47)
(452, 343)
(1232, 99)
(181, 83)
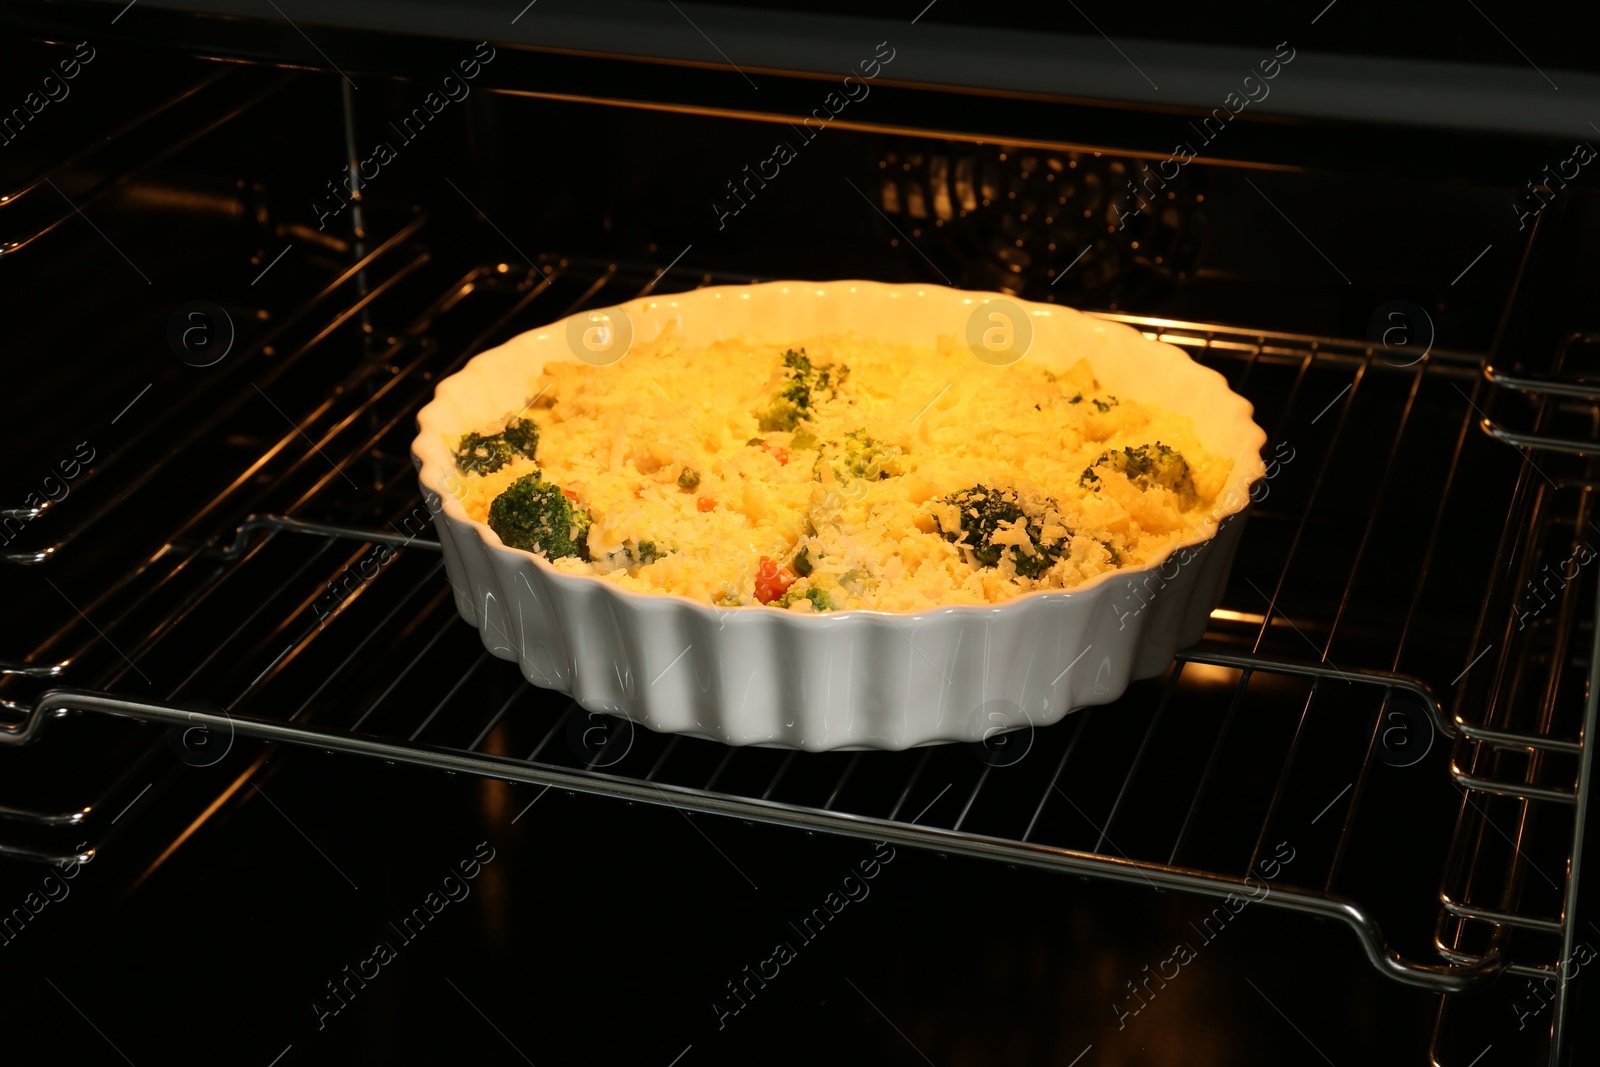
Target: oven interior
(1394, 692)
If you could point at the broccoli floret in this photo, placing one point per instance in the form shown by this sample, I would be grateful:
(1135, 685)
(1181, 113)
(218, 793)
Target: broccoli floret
(689, 480)
(780, 416)
(533, 514)
(522, 435)
(860, 456)
(819, 599)
(483, 455)
(802, 562)
(480, 454)
(856, 581)
(985, 510)
(805, 384)
(630, 554)
(1146, 467)
(1102, 406)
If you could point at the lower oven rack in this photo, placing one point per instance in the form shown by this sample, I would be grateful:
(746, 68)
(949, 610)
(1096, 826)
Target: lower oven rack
(1067, 798)
(227, 727)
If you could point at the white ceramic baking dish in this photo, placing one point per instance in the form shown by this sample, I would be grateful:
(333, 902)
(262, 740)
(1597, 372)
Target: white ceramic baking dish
(766, 676)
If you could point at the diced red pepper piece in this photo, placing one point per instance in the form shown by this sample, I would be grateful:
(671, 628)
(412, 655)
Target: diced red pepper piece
(771, 583)
(705, 503)
(777, 453)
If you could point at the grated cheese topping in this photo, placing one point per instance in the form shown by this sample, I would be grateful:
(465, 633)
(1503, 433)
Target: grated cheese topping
(840, 472)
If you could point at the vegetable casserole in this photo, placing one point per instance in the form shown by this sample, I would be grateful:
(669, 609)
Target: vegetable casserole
(835, 472)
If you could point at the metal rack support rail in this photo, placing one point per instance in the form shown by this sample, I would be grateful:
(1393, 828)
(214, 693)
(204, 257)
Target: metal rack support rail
(1569, 902)
(19, 191)
(166, 151)
(1439, 978)
(1550, 389)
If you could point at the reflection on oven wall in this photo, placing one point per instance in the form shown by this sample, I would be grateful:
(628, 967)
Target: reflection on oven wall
(1302, 251)
(1097, 230)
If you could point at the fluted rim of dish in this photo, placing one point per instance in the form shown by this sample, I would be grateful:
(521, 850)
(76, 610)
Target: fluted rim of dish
(436, 462)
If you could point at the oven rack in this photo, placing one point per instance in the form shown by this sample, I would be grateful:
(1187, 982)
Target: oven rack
(1254, 645)
(1550, 525)
(207, 405)
(187, 566)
